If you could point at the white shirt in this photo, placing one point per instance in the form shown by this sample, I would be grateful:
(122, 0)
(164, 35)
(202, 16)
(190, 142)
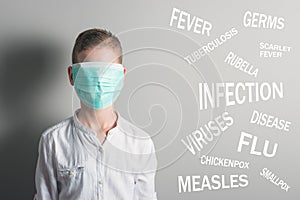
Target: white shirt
(74, 165)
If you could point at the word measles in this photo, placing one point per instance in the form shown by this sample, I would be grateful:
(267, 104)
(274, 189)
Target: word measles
(237, 93)
(198, 183)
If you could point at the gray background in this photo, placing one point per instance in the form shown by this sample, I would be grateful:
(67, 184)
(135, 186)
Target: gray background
(160, 94)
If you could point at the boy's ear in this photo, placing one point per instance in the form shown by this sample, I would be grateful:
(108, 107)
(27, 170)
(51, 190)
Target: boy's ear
(70, 74)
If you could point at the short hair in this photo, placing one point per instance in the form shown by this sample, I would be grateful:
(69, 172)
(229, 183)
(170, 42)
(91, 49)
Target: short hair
(93, 37)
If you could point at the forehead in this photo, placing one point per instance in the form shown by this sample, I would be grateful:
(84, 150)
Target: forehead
(99, 54)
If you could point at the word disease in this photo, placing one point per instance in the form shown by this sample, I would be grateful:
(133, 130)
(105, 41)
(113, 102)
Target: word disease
(270, 121)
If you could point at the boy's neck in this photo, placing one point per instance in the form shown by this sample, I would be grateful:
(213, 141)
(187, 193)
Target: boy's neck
(100, 121)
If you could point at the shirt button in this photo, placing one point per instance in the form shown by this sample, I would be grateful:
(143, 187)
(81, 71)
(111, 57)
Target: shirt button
(71, 172)
(100, 182)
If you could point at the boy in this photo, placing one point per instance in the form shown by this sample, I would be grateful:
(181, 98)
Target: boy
(96, 154)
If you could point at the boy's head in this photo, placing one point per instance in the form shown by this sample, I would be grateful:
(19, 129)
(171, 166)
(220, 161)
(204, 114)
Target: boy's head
(97, 45)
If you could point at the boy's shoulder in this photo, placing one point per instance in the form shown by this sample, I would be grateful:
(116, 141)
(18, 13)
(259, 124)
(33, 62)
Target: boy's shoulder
(58, 128)
(53, 136)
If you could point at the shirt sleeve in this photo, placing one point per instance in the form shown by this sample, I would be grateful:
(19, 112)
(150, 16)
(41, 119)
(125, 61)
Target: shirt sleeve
(145, 182)
(45, 175)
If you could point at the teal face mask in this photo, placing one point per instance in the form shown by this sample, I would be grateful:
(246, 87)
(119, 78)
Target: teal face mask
(98, 84)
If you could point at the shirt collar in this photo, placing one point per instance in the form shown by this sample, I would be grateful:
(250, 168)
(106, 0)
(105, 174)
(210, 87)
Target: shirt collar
(121, 124)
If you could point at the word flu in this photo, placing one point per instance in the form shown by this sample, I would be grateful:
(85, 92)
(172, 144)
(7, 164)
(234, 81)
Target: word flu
(253, 150)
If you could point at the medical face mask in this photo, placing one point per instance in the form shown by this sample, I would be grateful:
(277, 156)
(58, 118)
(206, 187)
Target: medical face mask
(98, 84)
